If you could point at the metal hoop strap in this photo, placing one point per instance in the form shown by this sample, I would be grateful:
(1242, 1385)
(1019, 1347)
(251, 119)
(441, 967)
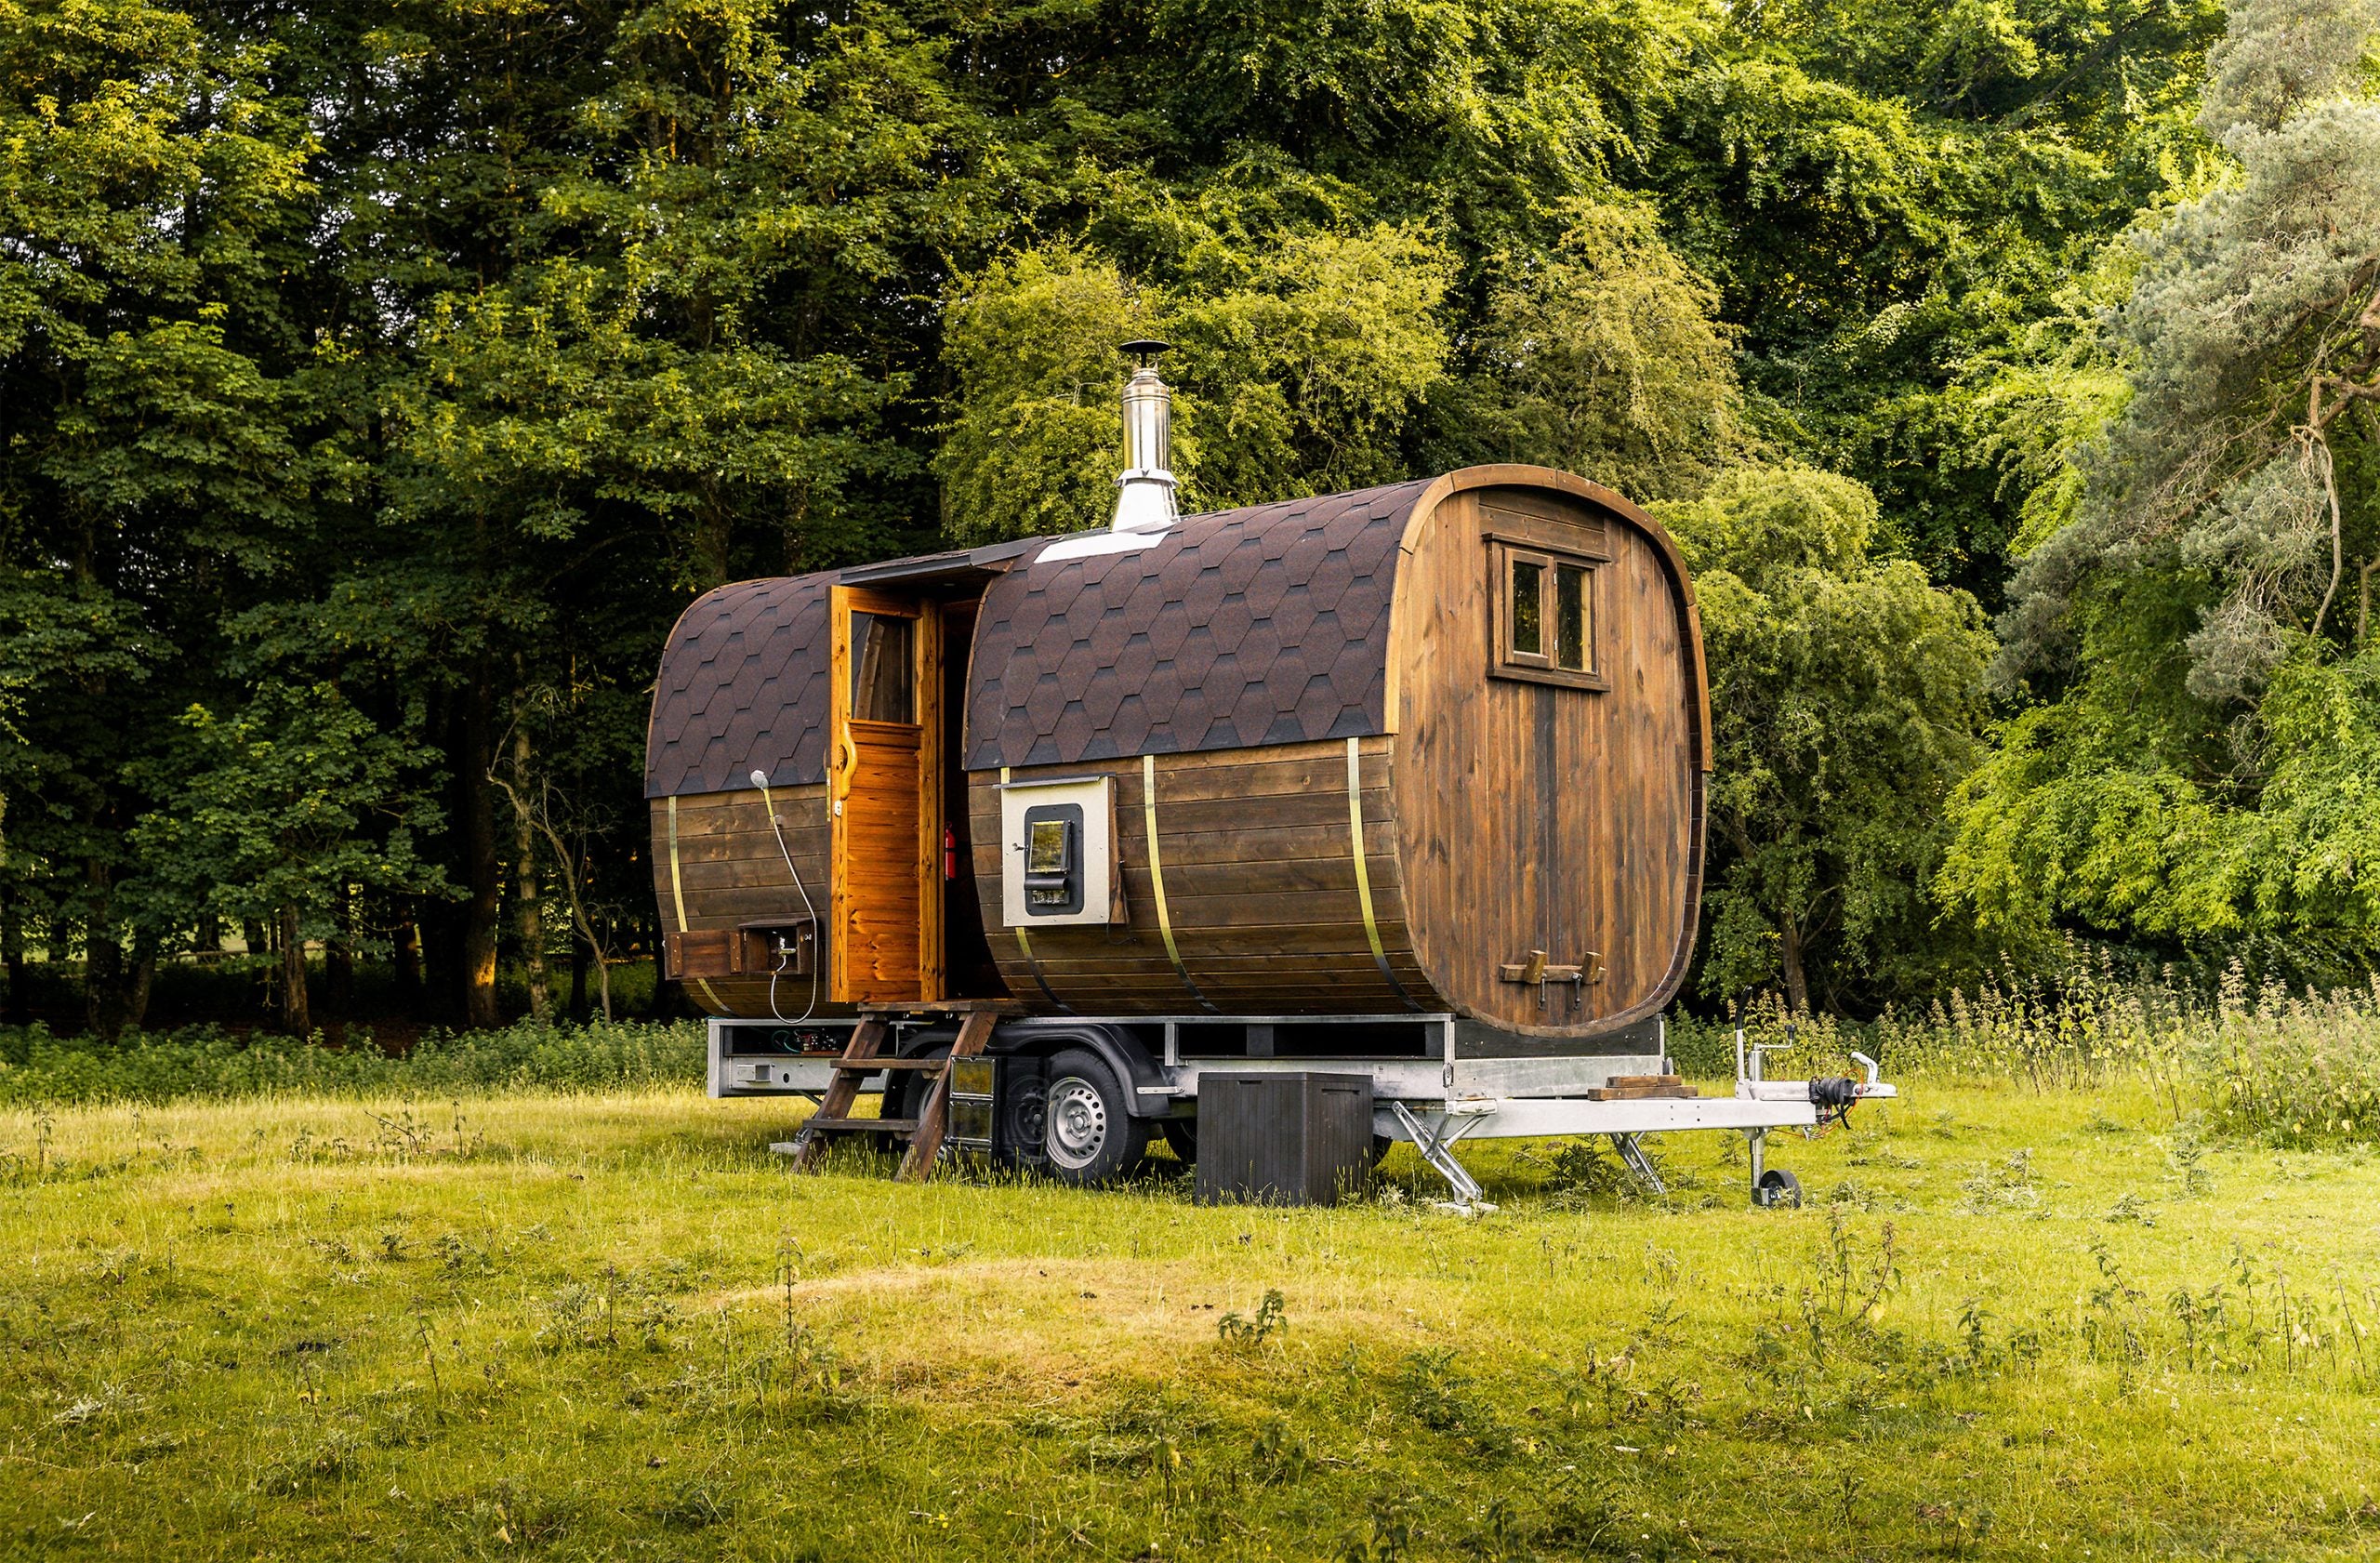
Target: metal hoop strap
(678, 894)
(1363, 869)
(1024, 943)
(1156, 883)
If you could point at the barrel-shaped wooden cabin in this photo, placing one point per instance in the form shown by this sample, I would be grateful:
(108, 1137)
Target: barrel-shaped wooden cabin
(1435, 748)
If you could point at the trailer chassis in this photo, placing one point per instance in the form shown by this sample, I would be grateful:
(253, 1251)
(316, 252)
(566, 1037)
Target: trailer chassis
(1433, 1104)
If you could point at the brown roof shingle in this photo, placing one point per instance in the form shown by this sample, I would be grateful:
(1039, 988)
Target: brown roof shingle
(1239, 628)
(743, 687)
(1235, 629)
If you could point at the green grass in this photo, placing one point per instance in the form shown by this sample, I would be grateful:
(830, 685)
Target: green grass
(2010, 1325)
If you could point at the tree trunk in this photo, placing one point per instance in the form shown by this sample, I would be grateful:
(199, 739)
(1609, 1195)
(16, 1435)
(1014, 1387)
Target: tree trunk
(483, 874)
(12, 956)
(338, 959)
(711, 540)
(408, 954)
(297, 1011)
(145, 979)
(525, 879)
(260, 943)
(578, 982)
(1797, 983)
(104, 983)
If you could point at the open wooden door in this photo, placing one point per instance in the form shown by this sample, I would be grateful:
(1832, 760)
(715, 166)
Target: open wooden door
(884, 777)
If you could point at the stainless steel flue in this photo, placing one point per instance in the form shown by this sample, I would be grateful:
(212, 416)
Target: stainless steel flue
(1144, 499)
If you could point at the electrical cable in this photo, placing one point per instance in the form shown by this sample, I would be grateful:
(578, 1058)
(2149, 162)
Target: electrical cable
(785, 952)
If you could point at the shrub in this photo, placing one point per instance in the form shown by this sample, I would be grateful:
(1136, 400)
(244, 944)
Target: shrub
(38, 1068)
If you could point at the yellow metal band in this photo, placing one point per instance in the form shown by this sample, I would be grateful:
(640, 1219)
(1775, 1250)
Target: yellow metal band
(1363, 869)
(1024, 940)
(678, 894)
(1156, 878)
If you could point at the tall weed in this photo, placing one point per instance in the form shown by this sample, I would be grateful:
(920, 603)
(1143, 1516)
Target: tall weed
(2289, 1069)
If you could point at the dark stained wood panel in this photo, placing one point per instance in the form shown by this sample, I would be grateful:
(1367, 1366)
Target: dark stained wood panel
(730, 872)
(1257, 858)
(1540, 816)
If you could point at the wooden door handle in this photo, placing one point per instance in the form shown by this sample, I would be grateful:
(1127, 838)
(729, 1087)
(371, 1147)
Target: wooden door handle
(846, 764)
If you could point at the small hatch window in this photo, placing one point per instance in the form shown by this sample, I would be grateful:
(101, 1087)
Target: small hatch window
(883, 664)
(1545, 615)
(1528, 616)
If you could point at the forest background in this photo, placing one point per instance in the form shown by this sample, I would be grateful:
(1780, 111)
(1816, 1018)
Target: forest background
(377, 382)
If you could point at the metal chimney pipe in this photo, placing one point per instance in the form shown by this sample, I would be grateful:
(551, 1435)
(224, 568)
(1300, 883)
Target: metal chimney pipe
(1144, 499)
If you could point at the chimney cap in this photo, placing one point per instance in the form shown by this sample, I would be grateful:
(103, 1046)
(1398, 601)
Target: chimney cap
(1145, 349)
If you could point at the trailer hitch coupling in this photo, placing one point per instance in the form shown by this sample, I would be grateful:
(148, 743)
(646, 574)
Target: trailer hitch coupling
(1834, 1097)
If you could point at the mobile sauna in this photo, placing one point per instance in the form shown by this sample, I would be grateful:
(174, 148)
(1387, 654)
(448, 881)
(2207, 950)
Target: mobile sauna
(1403, 786)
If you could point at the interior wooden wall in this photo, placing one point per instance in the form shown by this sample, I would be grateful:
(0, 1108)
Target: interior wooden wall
(1531, 816)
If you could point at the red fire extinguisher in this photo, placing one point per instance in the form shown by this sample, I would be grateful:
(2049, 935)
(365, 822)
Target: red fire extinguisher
(950, 854)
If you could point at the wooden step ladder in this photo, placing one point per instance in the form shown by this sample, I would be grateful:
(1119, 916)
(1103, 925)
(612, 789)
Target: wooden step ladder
(861, 1058)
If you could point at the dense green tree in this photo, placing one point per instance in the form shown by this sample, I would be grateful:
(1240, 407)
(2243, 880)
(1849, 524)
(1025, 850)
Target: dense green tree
(1298, 368)
(435, 356)
(273, 822)
(1601, 354)
(2198, 626)
(158, 460)
(1891, 196)
(1846, 701)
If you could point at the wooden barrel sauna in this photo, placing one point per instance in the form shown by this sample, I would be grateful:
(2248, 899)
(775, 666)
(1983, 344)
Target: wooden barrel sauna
(1433, 748)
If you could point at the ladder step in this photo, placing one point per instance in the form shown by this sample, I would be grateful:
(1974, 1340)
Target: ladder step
(863, 1125)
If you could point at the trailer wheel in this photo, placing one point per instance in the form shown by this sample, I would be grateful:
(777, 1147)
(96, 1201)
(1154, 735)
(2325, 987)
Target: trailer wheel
(1777, 1190)
(1091, 1135)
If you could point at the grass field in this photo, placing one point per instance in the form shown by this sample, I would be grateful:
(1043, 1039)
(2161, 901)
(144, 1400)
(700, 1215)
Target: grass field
(2009, 1325)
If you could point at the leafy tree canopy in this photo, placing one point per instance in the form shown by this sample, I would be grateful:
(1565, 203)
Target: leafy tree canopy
(2199, 628)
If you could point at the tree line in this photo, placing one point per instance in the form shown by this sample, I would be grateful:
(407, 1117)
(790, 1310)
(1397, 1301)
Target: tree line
(380, 382)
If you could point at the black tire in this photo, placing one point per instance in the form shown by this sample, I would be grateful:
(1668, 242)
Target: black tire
(1777, 1190)
(1181, 1138)
(1027, 1109)
(1091, 1136)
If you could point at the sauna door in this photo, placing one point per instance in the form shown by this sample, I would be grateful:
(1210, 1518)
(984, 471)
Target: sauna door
(883, 779)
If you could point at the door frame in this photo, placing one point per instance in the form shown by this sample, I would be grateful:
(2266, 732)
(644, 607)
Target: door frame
(843, 759)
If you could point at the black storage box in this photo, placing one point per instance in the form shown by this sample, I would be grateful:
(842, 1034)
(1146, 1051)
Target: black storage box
(1283, 1139)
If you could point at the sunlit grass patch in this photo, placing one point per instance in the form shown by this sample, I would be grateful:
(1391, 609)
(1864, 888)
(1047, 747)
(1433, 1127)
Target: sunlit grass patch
(610, 1324)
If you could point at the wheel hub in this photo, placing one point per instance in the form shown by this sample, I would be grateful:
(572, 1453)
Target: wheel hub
(1078, 1122)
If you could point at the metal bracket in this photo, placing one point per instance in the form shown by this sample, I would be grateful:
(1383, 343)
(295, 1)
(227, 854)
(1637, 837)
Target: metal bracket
(1437, 1148)
(1632, 1154)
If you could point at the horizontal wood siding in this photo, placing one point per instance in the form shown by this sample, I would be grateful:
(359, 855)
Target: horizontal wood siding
(1531, 815)
(730, 872)
(1260, 886)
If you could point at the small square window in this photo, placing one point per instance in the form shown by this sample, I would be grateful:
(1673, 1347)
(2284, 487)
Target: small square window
(1573, 623)
(1528, 608)
(1545, 615)
(883, 668)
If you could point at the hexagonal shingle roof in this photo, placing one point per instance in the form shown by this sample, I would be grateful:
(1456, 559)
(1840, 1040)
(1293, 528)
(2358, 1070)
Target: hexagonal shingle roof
(1275, 587)
(743, 687)
(1235, 629)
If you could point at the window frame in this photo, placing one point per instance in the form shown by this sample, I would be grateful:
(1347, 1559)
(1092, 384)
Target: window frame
(1505, 551)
